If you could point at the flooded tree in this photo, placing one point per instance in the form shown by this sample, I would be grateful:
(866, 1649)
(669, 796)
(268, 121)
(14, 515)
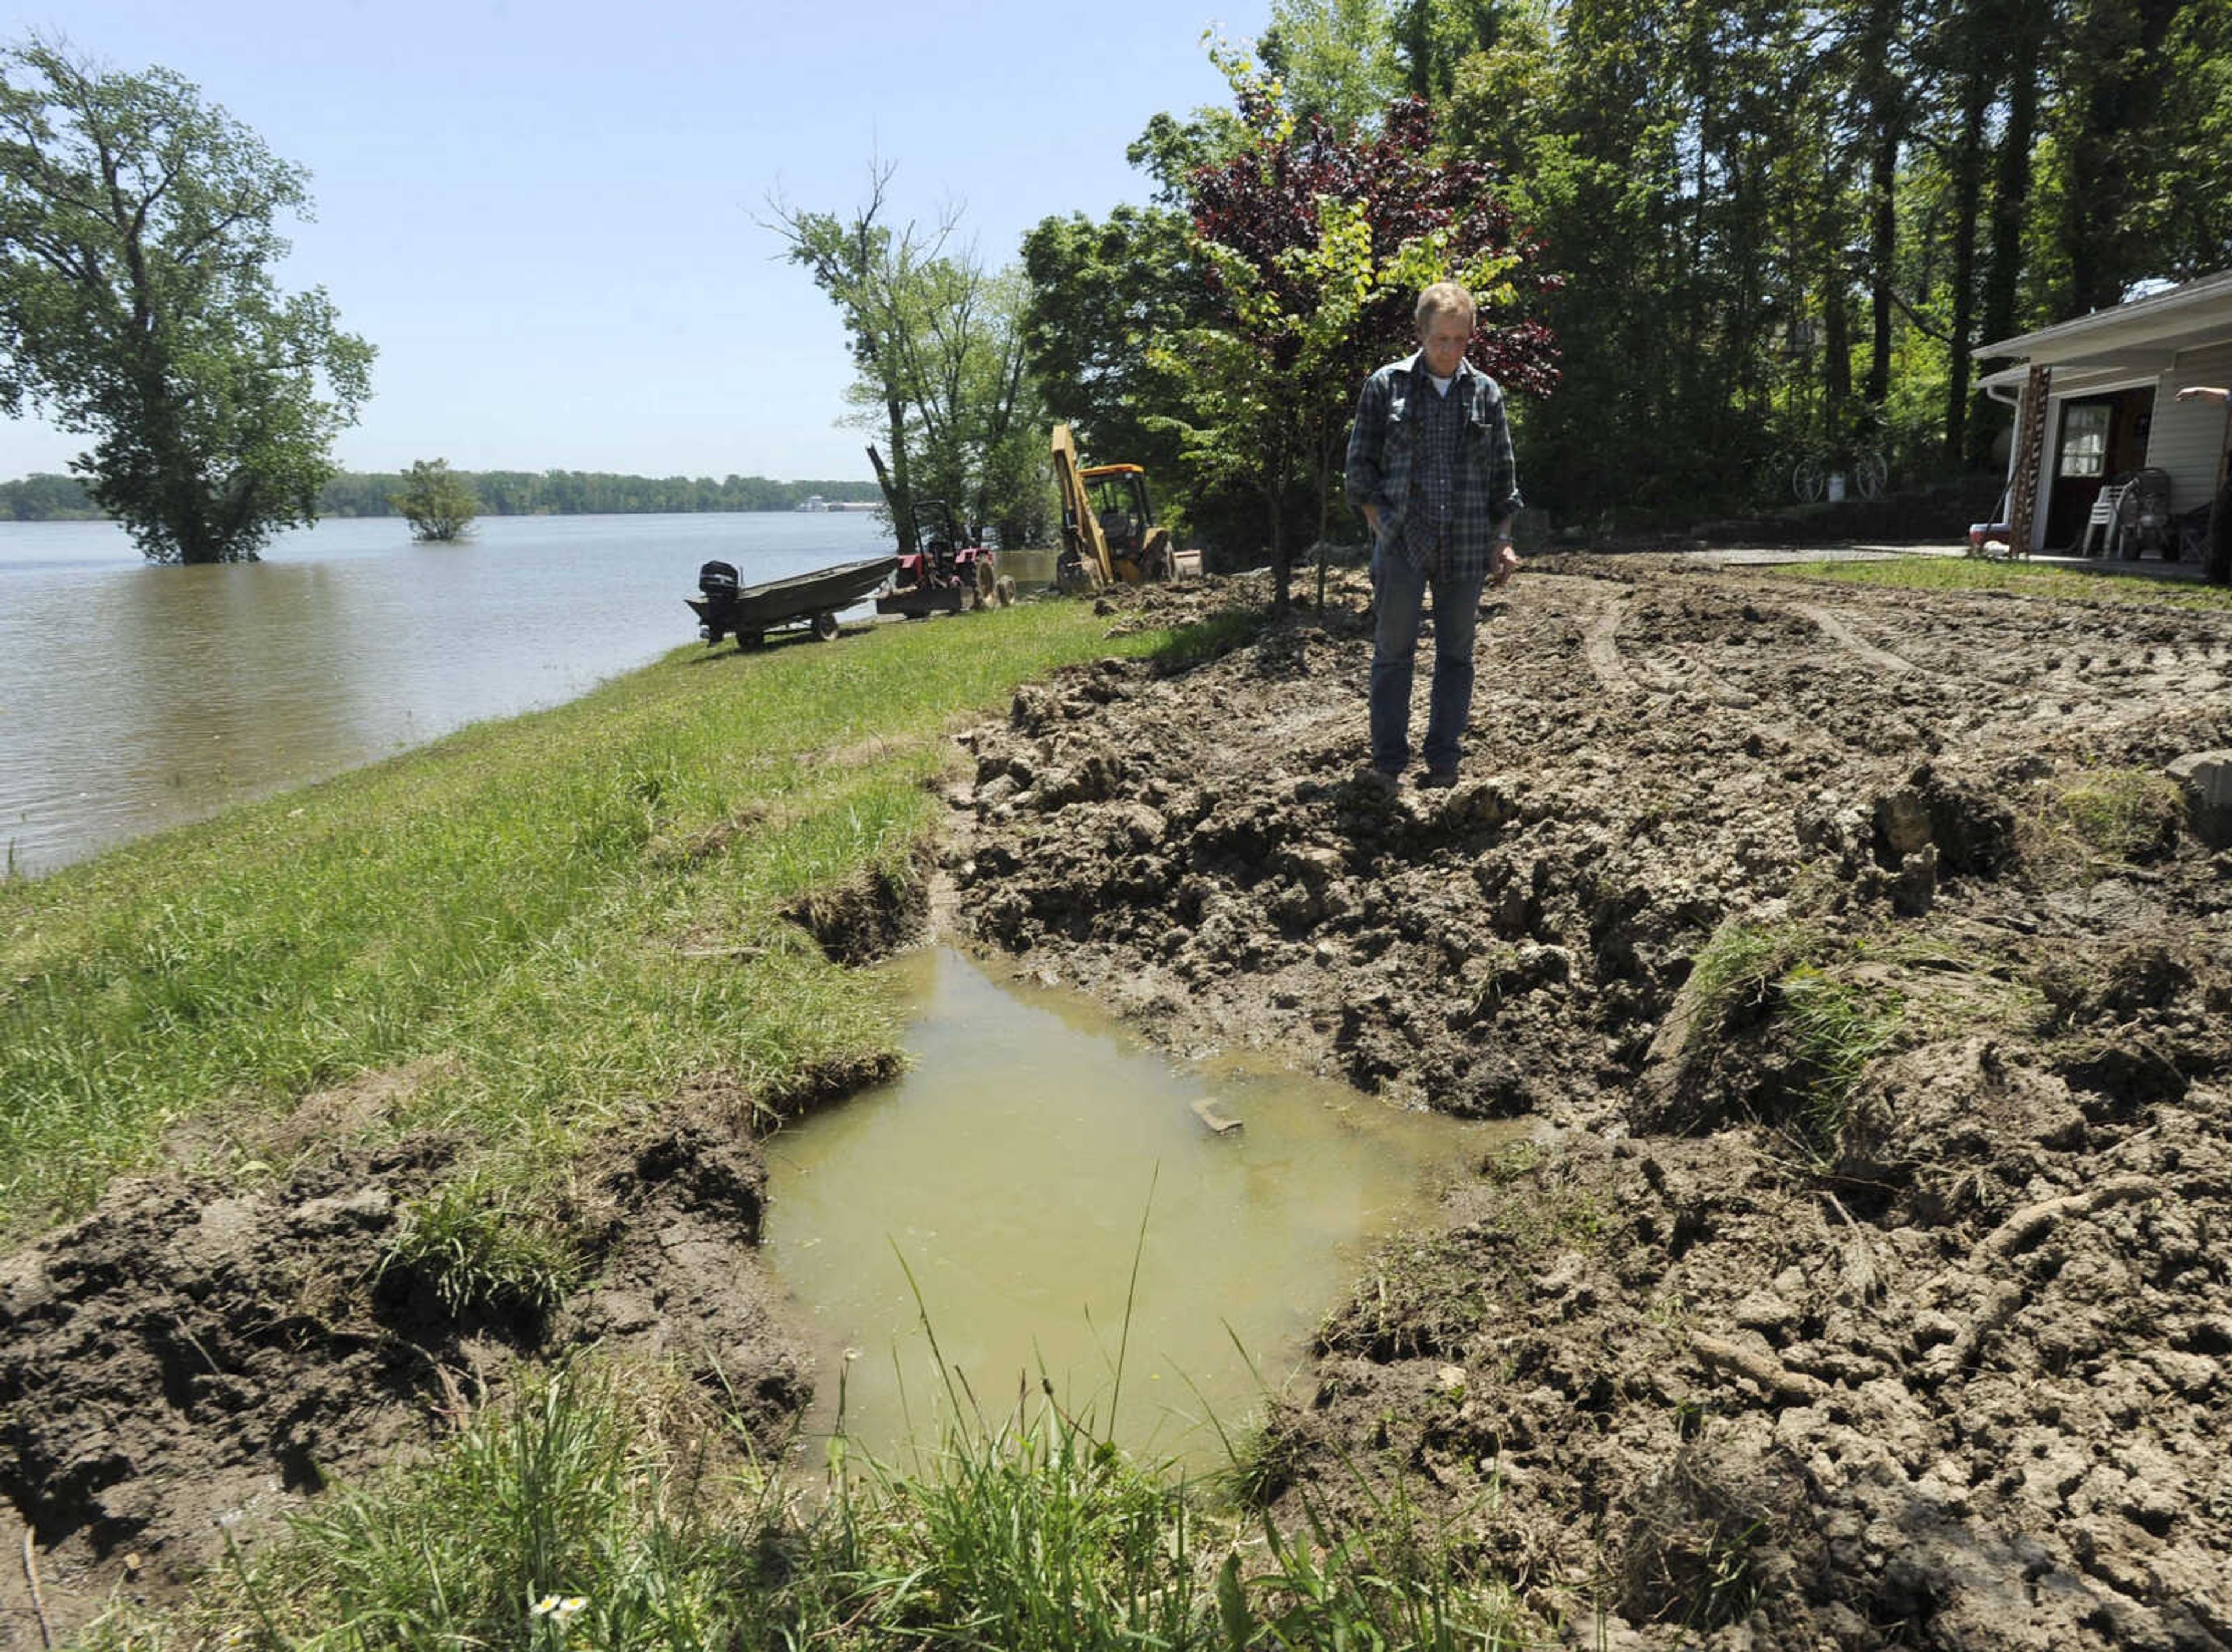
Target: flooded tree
(137, 306)
(436, 501)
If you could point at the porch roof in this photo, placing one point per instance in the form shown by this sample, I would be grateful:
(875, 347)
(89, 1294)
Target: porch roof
(2144, 336)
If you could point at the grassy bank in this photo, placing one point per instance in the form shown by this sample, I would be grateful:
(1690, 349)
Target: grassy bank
(540, 924)
(528, 934)
(2106, 584)
(600, 1510)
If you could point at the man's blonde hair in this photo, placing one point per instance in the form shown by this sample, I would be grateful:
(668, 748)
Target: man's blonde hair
(1444, 298)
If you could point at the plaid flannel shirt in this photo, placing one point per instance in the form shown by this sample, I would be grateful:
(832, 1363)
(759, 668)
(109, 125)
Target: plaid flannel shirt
(1486, 495)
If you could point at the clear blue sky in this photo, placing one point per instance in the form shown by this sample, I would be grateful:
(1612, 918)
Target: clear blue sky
(543, 213)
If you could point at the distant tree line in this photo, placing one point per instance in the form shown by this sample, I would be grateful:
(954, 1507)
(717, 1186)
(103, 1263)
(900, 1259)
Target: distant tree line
(48, 498)
(44, 498)
(591, 493)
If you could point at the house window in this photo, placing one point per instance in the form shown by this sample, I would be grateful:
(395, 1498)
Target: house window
(2085, 439)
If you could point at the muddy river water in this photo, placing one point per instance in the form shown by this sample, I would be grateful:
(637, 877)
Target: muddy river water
(134, 698)
(1013, 1171)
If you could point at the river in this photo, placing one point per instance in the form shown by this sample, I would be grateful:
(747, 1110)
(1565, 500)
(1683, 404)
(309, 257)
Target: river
(135, 697)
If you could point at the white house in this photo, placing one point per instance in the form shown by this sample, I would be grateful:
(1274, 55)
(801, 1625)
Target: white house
(2096, 399)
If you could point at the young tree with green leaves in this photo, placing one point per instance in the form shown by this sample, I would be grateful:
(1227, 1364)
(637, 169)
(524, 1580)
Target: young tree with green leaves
(137, 306)
(1317, 243)
(938, 342)
(865, 268)
(436, 501)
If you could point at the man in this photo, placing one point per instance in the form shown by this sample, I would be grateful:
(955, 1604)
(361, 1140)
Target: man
(1430, 465)
(2220, 511)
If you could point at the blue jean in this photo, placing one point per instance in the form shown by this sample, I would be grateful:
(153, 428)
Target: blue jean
(1399, 593)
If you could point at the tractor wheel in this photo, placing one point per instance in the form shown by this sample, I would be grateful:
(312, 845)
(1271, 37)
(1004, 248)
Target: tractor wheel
(825, 627)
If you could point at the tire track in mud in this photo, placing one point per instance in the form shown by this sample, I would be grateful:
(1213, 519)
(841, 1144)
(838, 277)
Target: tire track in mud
(1600, 647)
(2014, 667)
(1844, 636)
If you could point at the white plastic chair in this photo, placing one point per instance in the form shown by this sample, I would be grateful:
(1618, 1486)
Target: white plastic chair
(2102, 522)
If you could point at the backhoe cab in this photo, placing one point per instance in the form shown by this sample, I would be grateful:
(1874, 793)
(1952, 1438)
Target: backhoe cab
(1108, 531)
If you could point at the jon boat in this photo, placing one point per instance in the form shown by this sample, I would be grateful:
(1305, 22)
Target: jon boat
(750, 611)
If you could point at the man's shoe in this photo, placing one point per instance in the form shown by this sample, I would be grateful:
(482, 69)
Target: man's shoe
(1380, 779)
(1437, 780)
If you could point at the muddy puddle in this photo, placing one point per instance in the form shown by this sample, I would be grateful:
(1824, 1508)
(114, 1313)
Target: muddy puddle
(1013, 1170)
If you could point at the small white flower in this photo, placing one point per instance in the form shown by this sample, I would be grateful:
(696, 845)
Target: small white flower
(558, 1607)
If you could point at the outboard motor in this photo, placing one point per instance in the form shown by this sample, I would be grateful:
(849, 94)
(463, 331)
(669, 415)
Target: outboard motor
(717, 587)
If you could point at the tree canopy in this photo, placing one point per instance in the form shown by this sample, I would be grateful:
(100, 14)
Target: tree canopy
(137, 306)
(436, 501)
(1228, 330)
(1756, 230)
(937, 344)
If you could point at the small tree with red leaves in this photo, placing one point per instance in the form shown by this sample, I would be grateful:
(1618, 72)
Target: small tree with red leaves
(1318, 244)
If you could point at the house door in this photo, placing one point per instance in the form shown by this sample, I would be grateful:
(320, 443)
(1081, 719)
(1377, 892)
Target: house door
(2104, 439)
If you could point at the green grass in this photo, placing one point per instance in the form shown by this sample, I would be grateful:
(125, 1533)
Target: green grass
(561, 917)
(478, 1255)
(596, 1510)
(2022, 579)
(2124, 813)
(1807, 984)
(1837, 1026)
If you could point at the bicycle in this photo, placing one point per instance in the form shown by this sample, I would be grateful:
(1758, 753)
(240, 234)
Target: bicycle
(1865, 471)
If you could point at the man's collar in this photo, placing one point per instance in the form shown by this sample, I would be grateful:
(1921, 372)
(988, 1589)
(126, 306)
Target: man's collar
(1417, 365)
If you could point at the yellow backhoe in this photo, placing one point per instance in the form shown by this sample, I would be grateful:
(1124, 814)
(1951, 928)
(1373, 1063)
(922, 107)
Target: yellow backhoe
(1108, 530)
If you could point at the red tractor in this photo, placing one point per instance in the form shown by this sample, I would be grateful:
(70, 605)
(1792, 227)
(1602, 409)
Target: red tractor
(943, 567)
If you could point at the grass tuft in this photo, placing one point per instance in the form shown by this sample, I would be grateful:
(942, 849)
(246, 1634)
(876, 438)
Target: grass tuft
(593, 1509)
(1736, 970)
(478, 1255)
(2126, 814)
(1830, 1008)
(1837, 1028)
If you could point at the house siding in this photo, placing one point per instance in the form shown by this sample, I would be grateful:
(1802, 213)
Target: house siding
(2187, 437)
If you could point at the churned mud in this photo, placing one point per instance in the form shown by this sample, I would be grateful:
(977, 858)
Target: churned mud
(203, 1351)
(1866, 1283)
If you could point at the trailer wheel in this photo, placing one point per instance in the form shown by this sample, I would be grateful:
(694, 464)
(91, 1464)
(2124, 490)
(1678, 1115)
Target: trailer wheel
(748, 640)
(825, 627)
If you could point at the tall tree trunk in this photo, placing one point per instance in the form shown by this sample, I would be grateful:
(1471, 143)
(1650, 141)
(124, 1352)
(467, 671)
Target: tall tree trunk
(1883, 111)
(2119, 68)
(2026, 43)
(1967, 193)
(903, 520)
(1836, 345)
(1883, 247)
